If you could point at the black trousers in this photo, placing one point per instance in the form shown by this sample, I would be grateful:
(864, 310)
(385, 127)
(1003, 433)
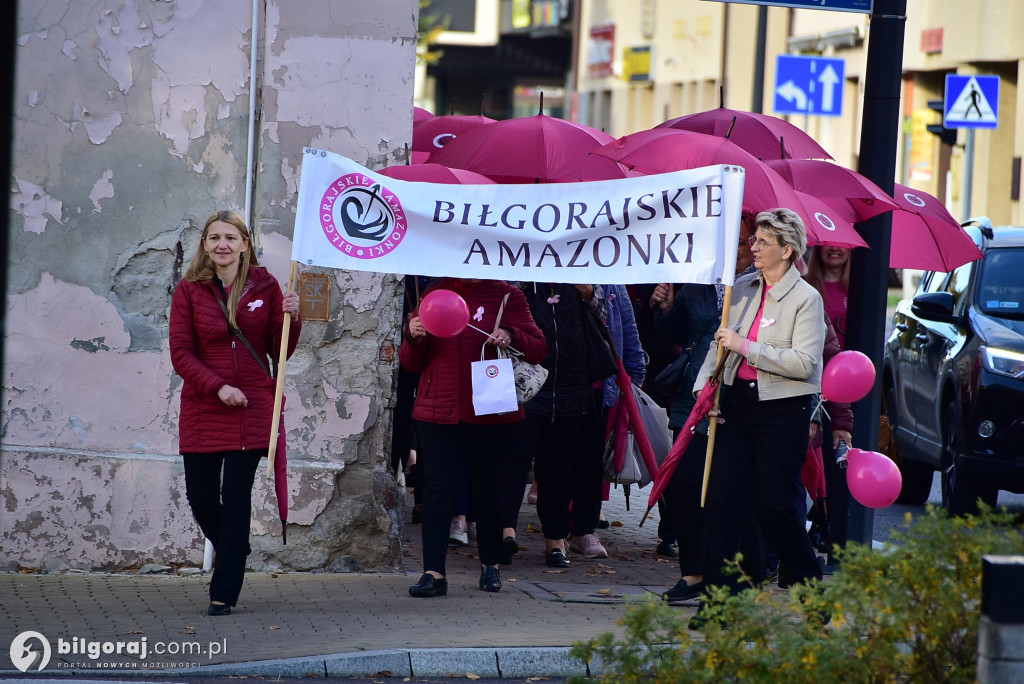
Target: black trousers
(442, 451)
(758, 457)
(568, 474)
(222, 505)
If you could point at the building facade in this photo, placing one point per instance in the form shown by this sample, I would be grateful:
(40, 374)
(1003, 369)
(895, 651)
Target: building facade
(136, 120)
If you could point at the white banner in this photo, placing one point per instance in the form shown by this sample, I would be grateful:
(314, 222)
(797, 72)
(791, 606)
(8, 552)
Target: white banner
(680, 227)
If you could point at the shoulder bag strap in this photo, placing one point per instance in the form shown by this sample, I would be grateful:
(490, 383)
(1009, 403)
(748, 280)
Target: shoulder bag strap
(237, 332)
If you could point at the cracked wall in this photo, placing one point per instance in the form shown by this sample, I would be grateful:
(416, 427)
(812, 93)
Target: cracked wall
(131, 128)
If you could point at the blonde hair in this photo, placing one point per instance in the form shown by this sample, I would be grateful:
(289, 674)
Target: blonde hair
(786, 225)
(201, 269)
(816, 272)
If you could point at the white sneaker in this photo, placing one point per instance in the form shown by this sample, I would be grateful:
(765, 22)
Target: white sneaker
(588, 546)
(458, 534)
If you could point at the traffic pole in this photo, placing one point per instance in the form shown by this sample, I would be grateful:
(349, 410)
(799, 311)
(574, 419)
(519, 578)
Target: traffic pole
(869, 269)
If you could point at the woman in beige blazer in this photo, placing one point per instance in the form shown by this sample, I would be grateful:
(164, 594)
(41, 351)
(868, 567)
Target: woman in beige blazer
(775, 333)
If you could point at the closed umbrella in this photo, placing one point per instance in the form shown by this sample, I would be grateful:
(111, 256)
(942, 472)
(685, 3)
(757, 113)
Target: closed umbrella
(705, 401)
(764, 136)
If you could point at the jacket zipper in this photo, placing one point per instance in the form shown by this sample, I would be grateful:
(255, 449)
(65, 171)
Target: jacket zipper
(241, 419)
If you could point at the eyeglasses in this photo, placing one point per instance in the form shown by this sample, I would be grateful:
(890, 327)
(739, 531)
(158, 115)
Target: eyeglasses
(759, 244)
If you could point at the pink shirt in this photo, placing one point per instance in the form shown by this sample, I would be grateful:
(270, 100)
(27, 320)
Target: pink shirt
(746, 371)
(835, 309)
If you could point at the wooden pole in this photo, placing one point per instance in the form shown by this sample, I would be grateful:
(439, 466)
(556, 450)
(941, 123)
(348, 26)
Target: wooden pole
(275, 423)
(712, 427)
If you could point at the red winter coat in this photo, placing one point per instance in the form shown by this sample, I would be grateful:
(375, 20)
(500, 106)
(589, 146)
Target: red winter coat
(445, 393)
(206, 356)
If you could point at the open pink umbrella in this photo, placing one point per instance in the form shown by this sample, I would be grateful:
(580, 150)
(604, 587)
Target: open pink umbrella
(420, 114)
(852, 194)
(764, 136)
(434, 173)
(926, 236)
(433, 134)
(531, 149)
(661, 150)
(827, 226)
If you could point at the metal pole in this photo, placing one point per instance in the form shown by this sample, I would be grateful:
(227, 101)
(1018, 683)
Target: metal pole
(968, 172)
(869, 273)
(762, 41)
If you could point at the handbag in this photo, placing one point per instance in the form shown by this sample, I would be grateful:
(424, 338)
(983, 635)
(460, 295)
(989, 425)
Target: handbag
(670, 380)
(494, 387)
(529, 377)
(655, 419)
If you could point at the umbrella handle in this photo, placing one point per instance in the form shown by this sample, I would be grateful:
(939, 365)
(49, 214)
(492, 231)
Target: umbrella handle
(712, 427)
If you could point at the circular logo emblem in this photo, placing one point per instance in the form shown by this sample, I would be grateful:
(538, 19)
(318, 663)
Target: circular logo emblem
(24, 655)
(443, 139)
(362, 218)
(913, 199)
(492, 371)
(825, 221)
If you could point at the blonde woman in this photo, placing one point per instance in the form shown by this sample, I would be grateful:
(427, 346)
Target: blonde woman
(227, 398)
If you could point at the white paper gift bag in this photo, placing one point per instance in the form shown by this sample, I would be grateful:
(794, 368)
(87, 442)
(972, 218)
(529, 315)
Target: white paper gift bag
(494, 386)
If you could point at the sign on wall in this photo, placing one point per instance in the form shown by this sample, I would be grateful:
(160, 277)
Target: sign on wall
(637, 64)
(601, 51)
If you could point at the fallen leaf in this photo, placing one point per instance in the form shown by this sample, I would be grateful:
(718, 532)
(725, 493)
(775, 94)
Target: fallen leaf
(470, 675)
(273, 627)
(137, 631)
(554, 572)
(616, 523)
(603, 591)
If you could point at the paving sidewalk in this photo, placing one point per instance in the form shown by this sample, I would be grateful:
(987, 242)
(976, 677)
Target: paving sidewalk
(352, 624)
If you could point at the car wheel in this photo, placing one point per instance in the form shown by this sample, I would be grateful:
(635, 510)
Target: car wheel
(960, 494)
(917, 476)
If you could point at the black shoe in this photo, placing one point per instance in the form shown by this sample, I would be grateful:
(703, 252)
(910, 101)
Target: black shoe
(668, 548)
(509, 548)
(683, 592)
(417, 514)
(218, 609)
(429, 586)
(787, 577)
(699, 621)
(555, 558)
(490, 580)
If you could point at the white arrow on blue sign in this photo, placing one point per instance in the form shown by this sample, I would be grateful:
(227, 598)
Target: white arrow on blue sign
(809, 85)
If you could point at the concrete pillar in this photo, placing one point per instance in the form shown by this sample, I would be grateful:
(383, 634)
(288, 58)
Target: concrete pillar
(1001, 632)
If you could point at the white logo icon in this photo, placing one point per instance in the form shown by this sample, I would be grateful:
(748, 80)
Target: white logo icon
(23, 655)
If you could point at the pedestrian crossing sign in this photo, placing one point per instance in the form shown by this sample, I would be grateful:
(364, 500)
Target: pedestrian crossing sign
(971, 101)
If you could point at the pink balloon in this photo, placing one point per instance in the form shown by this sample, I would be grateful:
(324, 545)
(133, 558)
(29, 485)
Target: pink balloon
(873, 479)
(848, 377)
(444, 313)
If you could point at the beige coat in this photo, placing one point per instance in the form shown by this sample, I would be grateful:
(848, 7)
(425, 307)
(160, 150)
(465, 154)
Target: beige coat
(787, 354)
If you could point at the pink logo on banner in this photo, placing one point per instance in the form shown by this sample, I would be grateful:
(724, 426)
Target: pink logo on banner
(361, 218)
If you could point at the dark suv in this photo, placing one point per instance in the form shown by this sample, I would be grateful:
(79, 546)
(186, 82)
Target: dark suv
(953, 376)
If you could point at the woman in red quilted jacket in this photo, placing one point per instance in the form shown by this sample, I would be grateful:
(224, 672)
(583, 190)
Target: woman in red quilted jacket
(450, 433)
(227, 398)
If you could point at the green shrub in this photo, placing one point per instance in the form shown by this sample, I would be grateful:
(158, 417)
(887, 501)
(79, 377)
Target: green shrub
(907, 613)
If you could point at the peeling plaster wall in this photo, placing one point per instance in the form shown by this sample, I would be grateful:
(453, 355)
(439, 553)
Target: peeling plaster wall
(131, 128)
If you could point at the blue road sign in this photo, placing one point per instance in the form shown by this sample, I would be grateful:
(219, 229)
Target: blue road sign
(835, 5)
(809, 85)
(971, 101)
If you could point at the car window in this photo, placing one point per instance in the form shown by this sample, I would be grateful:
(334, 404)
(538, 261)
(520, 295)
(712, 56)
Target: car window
(1001, 287)
(957, 284)
(934, 282)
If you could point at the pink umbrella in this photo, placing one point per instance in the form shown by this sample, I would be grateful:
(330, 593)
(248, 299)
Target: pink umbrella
(433, 134)
(926, 236)
(420, 114)
(854, 195)
(660, 150)
(705, 400)
(531, 149)
(764, 136)
(434, 173)
(827, 225)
